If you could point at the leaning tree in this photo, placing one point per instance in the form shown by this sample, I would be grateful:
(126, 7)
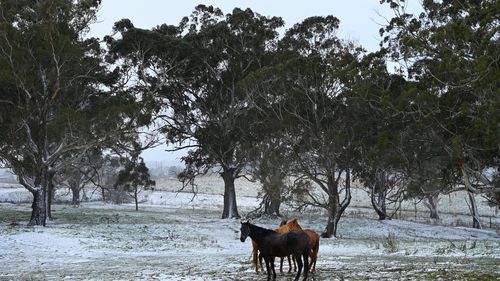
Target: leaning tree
(52, 95)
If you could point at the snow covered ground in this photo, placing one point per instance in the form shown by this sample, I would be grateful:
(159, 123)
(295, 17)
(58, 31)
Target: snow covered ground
(176, 237)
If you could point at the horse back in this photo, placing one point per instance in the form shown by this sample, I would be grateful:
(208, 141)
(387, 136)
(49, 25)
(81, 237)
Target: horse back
(298, 242)
(298, 237)
(282, 245)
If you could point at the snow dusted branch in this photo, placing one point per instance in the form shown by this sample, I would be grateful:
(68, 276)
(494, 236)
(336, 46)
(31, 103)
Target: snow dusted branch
(24, 183)
(31, 142)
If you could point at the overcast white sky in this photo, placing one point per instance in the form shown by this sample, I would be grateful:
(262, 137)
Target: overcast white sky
(360, 21)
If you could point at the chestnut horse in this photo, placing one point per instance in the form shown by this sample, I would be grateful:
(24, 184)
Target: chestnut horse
(272, 244)
(313, 236)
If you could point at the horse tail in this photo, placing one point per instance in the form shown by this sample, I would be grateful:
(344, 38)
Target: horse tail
(307, 250)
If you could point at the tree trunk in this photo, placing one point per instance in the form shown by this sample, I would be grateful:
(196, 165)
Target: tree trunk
(333, 220)
(39, 210)
(272, 197)
(473, 207)
(272, 205)
(136, 200)
(432, 201)
(336, 209)
(40, 200)
(74, 186)
(378, 203)
(50, 193)
(103, 194)
(230, 207)
(476, 223)
(75, 198)
(378, 195)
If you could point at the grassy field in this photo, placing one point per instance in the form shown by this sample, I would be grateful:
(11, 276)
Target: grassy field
(177, 237)
(108, 242)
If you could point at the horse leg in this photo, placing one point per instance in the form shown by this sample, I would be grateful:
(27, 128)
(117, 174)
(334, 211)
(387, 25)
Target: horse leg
(314, 255)
(254, 260)
(306, 264)
(267, 260)
(272, 268)
(281, 264)
(294, 265)
(312, 265)
(299, 263)
(310, 259)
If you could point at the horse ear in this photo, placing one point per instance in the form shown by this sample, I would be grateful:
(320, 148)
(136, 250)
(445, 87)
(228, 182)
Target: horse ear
(294, 220)
(248, 221)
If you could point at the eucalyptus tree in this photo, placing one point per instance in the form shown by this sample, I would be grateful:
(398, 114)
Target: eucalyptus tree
(269, 165)
(192, 70)
(53, 99)
(307, 92)
(380, 129)
(134, 176)
(451, 49)
(267, 152)
(80, 173)
(428, 169)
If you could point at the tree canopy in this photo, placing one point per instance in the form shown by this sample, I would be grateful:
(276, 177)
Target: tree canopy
(305, 106)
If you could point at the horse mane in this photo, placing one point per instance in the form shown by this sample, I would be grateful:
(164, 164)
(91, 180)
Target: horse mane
(259, 231)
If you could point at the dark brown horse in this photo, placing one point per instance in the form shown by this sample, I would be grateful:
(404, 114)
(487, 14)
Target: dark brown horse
(283, 228)
(272, 244)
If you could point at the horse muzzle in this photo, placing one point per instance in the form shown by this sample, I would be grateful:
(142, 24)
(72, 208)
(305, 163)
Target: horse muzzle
(243, 238)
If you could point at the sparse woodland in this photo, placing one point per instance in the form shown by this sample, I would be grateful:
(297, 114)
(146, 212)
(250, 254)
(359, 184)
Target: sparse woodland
(305, 113)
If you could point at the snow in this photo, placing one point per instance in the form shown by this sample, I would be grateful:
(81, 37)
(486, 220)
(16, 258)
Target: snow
(177, 237)
(15, 195)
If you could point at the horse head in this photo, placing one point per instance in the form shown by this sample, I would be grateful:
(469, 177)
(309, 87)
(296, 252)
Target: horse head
(245, 230)
(293, 225)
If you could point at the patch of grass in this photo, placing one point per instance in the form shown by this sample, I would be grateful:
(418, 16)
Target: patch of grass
(66, 214)
(390, 243)
(10, 215)
(455, 275)
(452, 247)
(442, 250)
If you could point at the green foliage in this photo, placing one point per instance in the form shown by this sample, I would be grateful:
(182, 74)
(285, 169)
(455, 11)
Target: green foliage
(58, 99)
(49, 74)
(134, 175)
(451, 51)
